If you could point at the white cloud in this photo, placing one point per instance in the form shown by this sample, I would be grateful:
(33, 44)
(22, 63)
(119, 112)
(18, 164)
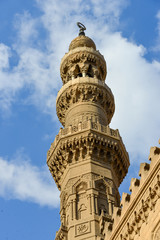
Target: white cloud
(4, 56)
(39, 58)
(26, 27)
(110, 9)
(135, 84)
(23, 181)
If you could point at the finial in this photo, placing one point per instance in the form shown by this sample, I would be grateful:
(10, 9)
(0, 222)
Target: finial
(82, 28)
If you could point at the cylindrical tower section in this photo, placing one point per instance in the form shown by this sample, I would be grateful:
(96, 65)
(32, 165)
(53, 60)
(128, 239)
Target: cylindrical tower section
(85, 98)
(84, 94)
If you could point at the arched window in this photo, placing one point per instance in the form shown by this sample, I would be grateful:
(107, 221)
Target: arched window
(90, 71)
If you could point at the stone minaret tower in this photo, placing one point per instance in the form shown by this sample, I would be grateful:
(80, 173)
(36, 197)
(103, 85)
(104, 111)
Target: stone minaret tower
(87, 159)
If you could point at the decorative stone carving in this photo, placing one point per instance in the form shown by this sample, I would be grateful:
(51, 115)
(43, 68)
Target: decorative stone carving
(82, 228)
(143, 202)
(61, 234)
(85, 91)
(83, 62)
(87, 159)
(67, 151)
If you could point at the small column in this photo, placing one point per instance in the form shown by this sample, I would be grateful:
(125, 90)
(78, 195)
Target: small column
(90, 204)
(93, 205)
(74, 209)
(99, 127)
(110, 206)
(80, 153)
(83, 74)
(89, 124)
(79, 126)
(74, 155)
(72, 77)
(96, 204)
(70, 129)
(87, 151)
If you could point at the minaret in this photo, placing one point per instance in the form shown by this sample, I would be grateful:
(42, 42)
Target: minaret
(87, 159)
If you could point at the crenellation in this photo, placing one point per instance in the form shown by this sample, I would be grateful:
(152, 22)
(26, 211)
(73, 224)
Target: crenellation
(144, 171)
(125, 201)
(134, 187)
(117, 211)
(138, 207)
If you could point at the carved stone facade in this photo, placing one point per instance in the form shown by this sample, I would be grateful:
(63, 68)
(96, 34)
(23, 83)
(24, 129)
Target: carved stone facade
(88, 159)
(139, 216)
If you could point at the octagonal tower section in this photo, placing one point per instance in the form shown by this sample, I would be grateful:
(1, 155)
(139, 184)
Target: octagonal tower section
(87, 159)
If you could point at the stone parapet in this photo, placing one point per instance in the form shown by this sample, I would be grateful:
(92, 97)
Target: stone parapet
(139, 216)
(84, 141)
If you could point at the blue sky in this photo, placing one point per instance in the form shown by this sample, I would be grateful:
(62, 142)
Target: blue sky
(34, 36)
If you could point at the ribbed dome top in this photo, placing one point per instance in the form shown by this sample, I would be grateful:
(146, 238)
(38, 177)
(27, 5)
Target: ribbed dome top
(82, 41)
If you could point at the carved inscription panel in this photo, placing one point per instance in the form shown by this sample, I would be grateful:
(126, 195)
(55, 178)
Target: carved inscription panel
(82, 228)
